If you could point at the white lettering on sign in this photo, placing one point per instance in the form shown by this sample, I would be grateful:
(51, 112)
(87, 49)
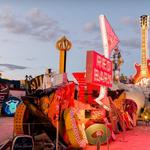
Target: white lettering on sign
(101, 77)
(98, 69)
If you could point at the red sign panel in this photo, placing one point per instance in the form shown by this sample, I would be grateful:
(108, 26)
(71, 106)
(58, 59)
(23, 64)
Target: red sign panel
(98, 69)
(4, 91)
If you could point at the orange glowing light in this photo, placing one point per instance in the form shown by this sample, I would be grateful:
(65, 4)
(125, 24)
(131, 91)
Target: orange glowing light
(145, 117)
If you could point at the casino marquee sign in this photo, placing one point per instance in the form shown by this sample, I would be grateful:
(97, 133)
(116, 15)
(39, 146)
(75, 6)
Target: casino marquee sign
(98, 69)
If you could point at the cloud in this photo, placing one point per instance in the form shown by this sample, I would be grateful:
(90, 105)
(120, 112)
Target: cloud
(31, 58)
(4, 40)
(90, 27)
(133, 23)
(34, 23)
(89, 44)
(12, 67)
(128, 21)
(133, 43)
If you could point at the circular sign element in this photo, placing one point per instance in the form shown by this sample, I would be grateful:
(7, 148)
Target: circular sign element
(97, 132)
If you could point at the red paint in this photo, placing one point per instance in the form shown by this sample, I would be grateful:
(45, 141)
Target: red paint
(98, 69)
(80, 77)
(90, 96)
(138, 76)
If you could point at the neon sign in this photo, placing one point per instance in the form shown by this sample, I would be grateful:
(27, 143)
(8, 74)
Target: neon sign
(98, 69)
(143, 82)
(10, 105)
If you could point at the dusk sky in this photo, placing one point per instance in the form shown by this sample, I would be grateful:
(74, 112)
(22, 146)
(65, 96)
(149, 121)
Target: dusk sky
(29, 30)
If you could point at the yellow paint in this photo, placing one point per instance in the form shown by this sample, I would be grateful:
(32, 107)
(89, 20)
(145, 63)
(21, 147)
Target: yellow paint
(74, 129)
(119, 101)
(62, 61)
(63, 45)
(19, 118)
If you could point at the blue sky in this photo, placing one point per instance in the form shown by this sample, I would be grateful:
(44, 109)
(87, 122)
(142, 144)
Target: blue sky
(29, 30)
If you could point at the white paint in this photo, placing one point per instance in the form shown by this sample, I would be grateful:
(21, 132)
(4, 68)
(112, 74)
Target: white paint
(104, 35)
(46, 81)
(137, 96)
(103, 89)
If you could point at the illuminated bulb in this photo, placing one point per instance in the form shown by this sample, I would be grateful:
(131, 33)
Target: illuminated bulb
(145, 117)
(143, 72)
